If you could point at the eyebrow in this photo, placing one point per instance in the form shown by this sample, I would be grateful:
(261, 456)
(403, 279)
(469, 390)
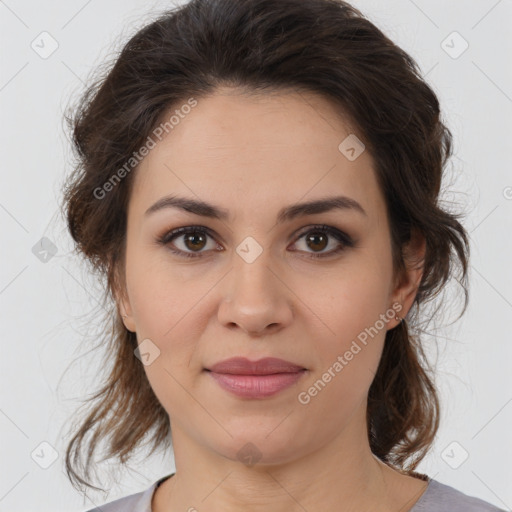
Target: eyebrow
(288, 213)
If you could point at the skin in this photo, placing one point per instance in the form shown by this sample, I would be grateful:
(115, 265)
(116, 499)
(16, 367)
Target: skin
(254, 155)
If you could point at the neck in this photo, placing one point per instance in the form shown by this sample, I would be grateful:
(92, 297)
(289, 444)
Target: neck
(342, 474)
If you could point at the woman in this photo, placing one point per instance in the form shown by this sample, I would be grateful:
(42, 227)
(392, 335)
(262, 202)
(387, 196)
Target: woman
(258, 181)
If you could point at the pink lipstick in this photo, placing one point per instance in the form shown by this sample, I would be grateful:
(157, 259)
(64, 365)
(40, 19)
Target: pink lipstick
(255, 379)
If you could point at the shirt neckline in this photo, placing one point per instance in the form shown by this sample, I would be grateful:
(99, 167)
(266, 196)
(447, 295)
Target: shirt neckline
(424, 495)
(147, 497)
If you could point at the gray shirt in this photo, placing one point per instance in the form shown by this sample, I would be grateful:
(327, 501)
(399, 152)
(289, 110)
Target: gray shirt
(437, 497)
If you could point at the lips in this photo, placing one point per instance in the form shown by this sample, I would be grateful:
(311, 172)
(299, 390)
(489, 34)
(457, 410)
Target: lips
(265, 366)
(255, 379)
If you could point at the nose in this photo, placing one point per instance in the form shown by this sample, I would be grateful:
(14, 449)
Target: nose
(255, 298)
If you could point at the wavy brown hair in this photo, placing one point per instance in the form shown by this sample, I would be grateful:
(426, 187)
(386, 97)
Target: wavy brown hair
(322, 46)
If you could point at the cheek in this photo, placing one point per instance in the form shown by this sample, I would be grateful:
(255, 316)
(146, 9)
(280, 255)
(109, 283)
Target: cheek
(348, 299)
(352, 310)
(346, 361)
(162, 295)
(169, 309)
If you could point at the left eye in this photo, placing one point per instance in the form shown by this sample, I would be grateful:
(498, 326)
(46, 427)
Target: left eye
(318, 238)
(195, 240)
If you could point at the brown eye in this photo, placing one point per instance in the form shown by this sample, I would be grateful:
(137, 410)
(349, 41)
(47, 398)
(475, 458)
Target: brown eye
(195, 241)
(317, 241)
(317, 238)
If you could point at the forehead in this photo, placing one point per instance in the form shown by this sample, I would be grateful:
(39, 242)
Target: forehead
(244, 149)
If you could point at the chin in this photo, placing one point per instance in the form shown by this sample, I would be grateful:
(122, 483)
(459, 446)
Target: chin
(258, 447)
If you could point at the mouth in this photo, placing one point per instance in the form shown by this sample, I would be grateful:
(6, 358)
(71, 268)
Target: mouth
(256, 386)
(265, 366)
(255, 380)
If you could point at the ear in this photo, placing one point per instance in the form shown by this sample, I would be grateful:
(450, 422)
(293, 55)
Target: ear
(123, 303)
(406, 285)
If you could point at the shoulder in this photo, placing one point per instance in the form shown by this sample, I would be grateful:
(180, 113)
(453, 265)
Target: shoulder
(138, 502)
(442, 498)
(130, 503)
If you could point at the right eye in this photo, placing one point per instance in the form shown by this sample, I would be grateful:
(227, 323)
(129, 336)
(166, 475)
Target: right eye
(193, 237)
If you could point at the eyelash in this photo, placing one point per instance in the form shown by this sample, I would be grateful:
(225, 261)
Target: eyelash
(343, 238)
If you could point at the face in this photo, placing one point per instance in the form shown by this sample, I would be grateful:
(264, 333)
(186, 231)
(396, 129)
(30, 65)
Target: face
(256, 284)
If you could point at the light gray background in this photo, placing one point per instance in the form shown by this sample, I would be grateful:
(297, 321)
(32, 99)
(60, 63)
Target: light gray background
(46, 307)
